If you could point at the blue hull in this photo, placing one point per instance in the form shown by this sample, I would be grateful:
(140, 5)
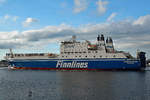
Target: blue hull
(87, 64)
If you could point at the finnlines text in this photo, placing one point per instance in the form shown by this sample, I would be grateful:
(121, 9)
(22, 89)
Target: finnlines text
(74, 64)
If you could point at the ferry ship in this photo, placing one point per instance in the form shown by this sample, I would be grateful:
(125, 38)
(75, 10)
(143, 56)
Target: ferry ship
(76, 55)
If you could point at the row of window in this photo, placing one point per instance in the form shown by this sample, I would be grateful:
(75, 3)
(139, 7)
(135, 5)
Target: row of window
(78, 52)
(93, 56)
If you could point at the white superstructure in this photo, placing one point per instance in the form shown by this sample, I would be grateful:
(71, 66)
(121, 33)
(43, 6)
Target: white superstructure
(73, 49)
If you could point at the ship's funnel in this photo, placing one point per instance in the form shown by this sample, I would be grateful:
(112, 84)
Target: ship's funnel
(109, 40)
(102, 37)
(98, 38)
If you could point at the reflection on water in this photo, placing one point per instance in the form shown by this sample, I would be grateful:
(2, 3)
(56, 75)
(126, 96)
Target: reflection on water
(74, 85)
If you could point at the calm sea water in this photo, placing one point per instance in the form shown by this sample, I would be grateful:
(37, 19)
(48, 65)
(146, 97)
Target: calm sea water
(74, 85)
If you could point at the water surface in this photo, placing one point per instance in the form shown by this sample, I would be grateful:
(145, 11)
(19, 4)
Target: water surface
(74, 85)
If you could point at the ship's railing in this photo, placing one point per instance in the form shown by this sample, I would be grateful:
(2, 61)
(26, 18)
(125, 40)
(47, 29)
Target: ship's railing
(28, 54)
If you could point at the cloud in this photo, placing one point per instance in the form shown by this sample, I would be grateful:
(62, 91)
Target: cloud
(8, 19)
(126, 34)
(142, 20)
(110, 18)
(101, 6)
(29, 21)
(10, 40)
(80, 5)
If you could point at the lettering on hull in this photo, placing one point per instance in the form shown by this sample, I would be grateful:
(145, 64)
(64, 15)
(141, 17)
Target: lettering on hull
(130, 62)
(73, 64)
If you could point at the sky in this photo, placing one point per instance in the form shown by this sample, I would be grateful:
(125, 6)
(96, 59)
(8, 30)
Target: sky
(29, 26)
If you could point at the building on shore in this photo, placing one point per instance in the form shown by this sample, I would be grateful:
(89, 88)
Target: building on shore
(3, 63)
